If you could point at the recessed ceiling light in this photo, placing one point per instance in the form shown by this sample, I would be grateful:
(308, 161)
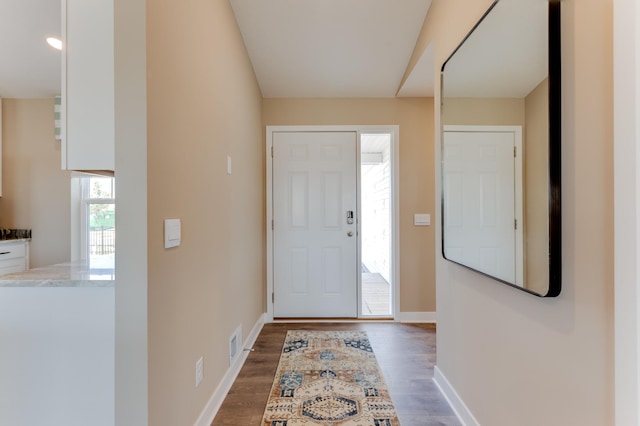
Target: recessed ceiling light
(54, 42)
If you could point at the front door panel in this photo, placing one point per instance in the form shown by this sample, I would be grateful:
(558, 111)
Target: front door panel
(315, 248)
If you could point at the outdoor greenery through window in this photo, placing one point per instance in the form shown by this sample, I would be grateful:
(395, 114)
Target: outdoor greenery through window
(100, 220)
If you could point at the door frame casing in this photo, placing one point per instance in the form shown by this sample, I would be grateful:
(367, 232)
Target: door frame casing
(394, 130)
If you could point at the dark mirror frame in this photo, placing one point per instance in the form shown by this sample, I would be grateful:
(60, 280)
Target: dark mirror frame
(555, 151)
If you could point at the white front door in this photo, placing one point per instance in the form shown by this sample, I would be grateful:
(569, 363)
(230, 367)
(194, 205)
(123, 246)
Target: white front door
(314, 246)
(479, 209)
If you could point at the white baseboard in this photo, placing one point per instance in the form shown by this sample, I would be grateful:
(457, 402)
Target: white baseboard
(216, 400)
(457, 404)
(416, 317)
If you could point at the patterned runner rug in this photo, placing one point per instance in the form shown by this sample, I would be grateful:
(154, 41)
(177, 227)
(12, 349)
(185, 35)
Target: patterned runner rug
(329, 378)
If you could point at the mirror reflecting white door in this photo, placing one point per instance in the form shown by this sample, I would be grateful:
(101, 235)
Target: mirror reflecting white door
(506, 72)
(482, 188)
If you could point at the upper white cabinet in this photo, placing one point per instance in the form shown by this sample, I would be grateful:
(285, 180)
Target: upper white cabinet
(87, 85)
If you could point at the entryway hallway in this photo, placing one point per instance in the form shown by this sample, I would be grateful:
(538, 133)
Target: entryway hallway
(406, 354)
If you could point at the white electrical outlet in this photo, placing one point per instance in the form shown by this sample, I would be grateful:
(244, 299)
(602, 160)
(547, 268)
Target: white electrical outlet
(199, 371)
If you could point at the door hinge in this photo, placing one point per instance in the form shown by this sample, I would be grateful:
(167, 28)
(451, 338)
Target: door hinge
(272, 224)
(272, 151)
(515, 224)
(273, 298)
(515, 151)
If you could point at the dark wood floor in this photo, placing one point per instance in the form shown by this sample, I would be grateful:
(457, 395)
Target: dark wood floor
(405, 352)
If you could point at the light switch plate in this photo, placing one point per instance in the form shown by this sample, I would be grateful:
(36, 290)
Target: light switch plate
(171, 233)
(422, 219)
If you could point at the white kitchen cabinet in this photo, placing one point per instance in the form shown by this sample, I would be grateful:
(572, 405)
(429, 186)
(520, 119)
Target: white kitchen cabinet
(14, 256)
(87, 85)
(57, 355)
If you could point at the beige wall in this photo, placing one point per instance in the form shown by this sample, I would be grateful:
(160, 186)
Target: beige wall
(514, 358)
(484, 111)
(536, 192)
(414, 116)
(35, 191)
(203, 104)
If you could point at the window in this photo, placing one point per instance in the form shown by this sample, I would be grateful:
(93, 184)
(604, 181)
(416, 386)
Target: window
(93, 199)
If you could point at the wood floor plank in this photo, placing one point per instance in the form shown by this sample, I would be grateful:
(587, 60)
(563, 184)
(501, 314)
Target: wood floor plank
(406, 354)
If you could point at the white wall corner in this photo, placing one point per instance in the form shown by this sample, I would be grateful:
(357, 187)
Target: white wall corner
(217, 398)
(428, 317)
(627, 210)
(455, 402)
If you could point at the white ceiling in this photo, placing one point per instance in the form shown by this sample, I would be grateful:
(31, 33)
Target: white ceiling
(29, 67)
(299, 48)
(330, 48)
(313, 48)
(505, 57)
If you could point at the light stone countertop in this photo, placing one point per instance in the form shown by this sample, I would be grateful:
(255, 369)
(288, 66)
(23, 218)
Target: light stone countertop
(70, 274)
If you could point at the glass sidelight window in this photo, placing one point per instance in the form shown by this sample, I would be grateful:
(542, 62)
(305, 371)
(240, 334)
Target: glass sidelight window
(376, 213)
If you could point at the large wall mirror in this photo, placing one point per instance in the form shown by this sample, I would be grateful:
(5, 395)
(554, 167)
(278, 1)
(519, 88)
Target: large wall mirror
(501, 147)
